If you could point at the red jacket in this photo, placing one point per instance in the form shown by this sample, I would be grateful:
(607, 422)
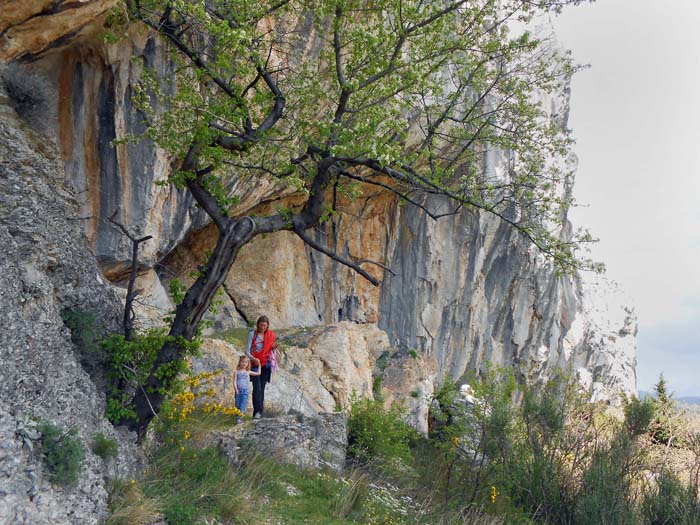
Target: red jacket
(268, 342)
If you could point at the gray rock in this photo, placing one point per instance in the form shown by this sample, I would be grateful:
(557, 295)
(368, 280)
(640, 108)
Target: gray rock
(45, 268)
(308, 442)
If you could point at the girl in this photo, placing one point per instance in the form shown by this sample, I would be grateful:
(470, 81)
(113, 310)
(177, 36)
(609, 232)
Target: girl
(260, 349)
(241, 385)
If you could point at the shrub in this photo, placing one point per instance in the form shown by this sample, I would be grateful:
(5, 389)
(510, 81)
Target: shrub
(84, 328)
(670, 502)
(129, 364)
(638, 415)
(104, 446)
(378, 434)
(605, 492)
(666, 428)
(181, 513)
(63, 453)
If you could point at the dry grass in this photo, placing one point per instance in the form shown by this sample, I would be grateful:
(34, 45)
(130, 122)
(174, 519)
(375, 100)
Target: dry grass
(132, 507)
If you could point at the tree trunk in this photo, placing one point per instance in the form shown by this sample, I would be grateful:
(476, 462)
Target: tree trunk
(189, 313)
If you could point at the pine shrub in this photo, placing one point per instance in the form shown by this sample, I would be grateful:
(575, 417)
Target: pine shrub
(63, 453)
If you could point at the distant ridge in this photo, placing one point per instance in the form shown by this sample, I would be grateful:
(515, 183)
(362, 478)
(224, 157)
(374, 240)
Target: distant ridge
(686, 400)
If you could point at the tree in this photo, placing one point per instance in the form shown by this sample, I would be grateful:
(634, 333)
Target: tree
(325, 95)
(666, 428)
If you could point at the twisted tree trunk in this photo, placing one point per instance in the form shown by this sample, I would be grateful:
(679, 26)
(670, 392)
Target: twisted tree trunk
(188, 315)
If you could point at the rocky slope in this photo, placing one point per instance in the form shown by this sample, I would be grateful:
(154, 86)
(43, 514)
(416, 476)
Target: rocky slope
(46, 268)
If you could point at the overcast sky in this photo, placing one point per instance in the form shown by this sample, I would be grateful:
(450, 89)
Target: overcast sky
(636, 118)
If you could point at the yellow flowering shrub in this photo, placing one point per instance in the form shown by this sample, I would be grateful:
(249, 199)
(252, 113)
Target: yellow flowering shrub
(184, 407)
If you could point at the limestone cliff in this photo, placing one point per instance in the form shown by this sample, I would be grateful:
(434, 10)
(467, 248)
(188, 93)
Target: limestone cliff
(466, 289)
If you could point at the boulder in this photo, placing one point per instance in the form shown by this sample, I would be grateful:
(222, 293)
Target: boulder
(30, 28)
(308, 442)
(319, 369)
(409, 380)
(221, 358)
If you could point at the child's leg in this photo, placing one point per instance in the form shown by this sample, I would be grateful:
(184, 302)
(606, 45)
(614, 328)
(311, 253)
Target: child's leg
(244, 401)
(240, 399)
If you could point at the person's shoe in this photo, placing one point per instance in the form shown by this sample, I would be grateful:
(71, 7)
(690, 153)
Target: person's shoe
(257, 416)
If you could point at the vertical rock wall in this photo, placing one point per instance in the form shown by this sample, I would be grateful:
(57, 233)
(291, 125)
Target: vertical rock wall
(95, 88)
(465, 289)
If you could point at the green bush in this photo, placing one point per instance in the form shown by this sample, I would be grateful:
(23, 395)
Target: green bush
(63, 453)
(84, 328)
(378, 434)
(638, 414)
(104, 446)
(605, 493)
(671, 502)
(181, 513)
(666, 428)
(195, 483)
(129, 363)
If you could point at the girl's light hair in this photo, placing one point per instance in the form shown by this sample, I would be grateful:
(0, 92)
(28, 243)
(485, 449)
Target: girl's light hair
(240, 362)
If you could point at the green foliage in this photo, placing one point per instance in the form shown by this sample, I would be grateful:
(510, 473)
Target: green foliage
(353, 100)
(638, 414)
(666, 427)
(670, 502)
(177, 290)
(661, 390)
(378, 435)
(193, 483)
(84, 328)
(551, 458)
(181, 513)
(103, 446)
(377, 386)
(129, 364)
(63, 453)
(604, 495)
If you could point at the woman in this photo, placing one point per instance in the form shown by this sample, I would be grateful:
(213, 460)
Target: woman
(260, 348)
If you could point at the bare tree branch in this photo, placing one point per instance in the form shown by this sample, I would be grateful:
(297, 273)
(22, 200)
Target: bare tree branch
(342, 260)
(129, 314)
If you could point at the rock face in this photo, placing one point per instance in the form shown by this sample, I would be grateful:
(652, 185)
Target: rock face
(31, 28)
(466, 289)
(409, 379)
(320, 369)
(602, 340)
(47, 268)
(308, 442)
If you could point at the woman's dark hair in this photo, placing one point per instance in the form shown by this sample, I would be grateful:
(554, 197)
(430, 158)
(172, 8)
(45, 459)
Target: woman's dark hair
(262, 319)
